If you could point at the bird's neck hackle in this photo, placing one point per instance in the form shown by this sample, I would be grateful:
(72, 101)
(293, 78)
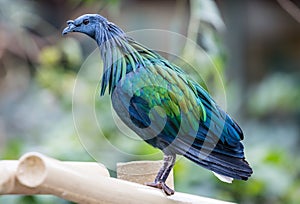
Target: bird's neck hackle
(116, 52)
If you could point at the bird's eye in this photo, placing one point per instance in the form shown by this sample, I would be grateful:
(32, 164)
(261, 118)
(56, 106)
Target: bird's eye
(85, 21)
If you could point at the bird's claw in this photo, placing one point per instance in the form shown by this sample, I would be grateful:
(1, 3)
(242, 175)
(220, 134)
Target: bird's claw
(162, 185)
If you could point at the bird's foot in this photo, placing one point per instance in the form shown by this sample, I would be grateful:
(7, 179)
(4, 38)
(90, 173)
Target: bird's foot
(162, 185)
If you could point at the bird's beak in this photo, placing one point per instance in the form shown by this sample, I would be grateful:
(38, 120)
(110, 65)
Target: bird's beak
(70, 28)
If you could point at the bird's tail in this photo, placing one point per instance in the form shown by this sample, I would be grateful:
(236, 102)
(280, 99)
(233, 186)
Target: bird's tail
(224, 167)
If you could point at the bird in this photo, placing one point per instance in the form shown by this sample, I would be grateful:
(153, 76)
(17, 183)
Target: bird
(163, 105)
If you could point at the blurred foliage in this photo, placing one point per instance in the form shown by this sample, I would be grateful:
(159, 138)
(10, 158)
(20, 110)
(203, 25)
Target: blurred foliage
(283, 98)
(39, 71)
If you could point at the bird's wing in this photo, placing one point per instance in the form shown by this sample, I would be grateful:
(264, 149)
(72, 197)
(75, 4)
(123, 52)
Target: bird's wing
(164, 88)
(219, 119)
(189, 109)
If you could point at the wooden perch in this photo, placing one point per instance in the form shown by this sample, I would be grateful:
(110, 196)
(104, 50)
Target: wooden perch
(83, 182)
(142, 172)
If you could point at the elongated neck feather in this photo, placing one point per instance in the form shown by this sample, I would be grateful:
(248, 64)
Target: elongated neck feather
(117, 52)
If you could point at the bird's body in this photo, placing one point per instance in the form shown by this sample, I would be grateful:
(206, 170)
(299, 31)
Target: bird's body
(167, 109)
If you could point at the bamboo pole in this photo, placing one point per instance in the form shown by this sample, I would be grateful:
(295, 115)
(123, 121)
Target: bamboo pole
(7, 178)
(9, 184)
(80, 182)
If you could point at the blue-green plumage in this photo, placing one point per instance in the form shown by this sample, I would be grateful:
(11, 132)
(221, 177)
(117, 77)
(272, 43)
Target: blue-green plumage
(166, 108)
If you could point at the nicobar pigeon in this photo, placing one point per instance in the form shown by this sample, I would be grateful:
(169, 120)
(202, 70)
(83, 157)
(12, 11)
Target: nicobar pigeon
(163, 105)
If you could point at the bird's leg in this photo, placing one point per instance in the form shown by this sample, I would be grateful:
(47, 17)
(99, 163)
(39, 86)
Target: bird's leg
(163, 173)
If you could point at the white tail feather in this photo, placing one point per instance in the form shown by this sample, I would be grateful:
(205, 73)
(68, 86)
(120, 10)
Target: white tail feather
(223, 178)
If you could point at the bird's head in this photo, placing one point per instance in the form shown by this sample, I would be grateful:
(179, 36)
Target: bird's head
(87, 24)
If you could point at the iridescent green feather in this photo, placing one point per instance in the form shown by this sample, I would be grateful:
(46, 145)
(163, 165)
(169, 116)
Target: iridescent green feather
(170, 93)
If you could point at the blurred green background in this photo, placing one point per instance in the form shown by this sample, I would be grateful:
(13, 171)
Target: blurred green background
(254, 44)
